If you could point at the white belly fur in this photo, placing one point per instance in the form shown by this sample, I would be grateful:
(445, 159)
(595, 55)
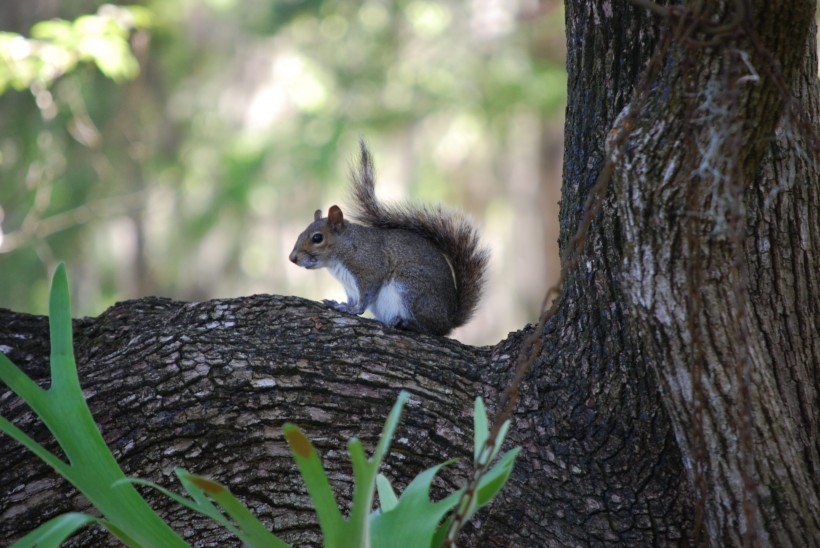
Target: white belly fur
(347, 280)
(389, 305)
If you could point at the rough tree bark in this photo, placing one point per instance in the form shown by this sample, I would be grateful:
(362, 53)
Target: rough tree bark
(680, 370)
(720, 259)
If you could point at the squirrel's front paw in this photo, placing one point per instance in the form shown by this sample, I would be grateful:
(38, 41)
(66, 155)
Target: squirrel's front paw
(347, 308)
(341, 307)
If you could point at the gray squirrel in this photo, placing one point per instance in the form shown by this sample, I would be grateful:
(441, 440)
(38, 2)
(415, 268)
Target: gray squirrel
(414, 267)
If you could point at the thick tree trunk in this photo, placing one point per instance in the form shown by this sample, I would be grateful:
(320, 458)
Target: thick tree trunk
(679, 372)
(719, 229)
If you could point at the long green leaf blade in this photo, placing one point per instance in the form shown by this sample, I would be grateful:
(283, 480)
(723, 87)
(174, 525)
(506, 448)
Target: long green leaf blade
(63, 369)
(55, 531)
(254, 534)
(201, 498)
(207, 510)
(21, 384)
(318, 486)
(365, 472)
(488, 487)
(390, 427)
(364, 484)
(499, 439)
(42, 453)
(480, 427)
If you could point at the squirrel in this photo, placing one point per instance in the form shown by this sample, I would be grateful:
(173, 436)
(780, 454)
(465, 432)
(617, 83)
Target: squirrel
(414, 267)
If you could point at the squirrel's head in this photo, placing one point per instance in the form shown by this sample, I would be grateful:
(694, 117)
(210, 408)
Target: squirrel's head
(315, 245)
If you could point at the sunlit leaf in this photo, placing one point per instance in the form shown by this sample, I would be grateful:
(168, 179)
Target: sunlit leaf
(56, 30)
(112, 56)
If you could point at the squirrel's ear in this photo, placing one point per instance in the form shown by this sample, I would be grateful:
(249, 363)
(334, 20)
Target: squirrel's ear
(317, 214)
(334, 215)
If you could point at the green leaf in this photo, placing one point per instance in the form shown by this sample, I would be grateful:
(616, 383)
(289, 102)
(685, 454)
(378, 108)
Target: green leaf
(201, 504)
(112, 55)
(56, 530)
(23, 438)
(499, 438)
(387, 497)
(482, 431)
(441, 532)
(337, 531)
(56, 30)
(254, 533)
(488, 487)
(204, 504)
(63, 368)
(495, 478)
(58, 45)
(23, 386)
(390, 426)
(365, 472)
(318, 486)
(63, 409)
(364, 484)
(412, 521)
(480, 427)
(491, 480)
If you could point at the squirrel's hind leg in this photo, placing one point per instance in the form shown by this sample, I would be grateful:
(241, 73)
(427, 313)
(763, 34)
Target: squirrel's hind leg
(431, 315)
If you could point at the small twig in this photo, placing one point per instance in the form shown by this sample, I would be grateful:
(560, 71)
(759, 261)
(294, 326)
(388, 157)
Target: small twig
(37, 228)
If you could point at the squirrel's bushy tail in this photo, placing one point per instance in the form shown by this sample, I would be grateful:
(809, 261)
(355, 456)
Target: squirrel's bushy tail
(451, 232)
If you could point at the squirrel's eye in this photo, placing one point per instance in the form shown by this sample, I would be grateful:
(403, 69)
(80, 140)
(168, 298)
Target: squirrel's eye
(317, 238)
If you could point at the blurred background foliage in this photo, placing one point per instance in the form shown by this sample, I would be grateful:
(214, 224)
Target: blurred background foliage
(178, 148)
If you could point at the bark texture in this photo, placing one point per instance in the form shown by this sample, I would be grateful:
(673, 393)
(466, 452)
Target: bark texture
(716, 255)
(208, 385)
(678, 374)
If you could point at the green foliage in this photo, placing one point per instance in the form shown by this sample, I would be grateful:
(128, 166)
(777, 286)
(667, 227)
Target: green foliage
(57, 46)
(189, 180)
(91, 467)
(355, 531)
(248, 529)
(409, 520)
(56, 530)
(413, 520)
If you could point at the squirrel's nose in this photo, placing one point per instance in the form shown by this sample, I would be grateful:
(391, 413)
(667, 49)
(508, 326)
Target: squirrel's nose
(292, 256)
